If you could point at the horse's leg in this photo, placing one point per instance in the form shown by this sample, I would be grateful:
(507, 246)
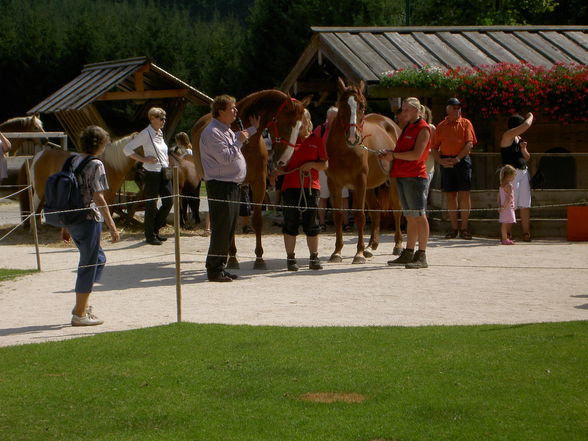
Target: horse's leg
(337, 202)
(395, 199)
(233, 263)
(359, 206)
(258, 190)
(374, 207)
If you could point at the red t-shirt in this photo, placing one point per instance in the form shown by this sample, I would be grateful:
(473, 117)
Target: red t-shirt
(311, 149)
(402, 168)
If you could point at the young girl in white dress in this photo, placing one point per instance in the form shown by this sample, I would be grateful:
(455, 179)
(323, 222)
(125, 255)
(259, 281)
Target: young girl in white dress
(506, 203)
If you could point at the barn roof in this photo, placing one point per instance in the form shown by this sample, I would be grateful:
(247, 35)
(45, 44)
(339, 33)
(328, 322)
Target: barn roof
(128, 79)
(364, 53)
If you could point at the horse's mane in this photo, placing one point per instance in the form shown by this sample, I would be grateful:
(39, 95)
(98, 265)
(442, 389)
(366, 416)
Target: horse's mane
(248, 105)
(22, 124)
(113, 154)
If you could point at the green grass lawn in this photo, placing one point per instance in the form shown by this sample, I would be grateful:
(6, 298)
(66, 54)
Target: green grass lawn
(7, 273)
(213, 382)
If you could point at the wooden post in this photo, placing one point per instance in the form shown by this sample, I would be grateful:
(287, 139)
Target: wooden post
(33, 218)
(176, 187)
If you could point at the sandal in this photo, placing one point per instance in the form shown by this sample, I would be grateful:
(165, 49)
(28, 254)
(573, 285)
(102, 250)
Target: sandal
(465, 234)
(527, 237)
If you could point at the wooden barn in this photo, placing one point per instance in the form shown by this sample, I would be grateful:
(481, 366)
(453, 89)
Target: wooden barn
(103, 93)
(365, 53)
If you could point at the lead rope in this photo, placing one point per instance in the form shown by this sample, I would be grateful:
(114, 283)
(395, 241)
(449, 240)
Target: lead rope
(302, 198)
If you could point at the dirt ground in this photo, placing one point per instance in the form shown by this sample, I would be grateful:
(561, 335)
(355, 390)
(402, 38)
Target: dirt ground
(468, 282)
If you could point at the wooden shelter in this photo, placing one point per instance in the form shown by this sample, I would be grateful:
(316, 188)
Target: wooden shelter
(366, 53)
(90, 97)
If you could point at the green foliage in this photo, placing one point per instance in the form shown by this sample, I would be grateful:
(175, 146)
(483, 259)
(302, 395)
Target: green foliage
(480, 12)
(212, 382)
(45, 44)
(7, 273)
(279, 30)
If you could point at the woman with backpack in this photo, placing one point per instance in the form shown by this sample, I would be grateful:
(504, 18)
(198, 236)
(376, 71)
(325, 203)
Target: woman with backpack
(86, 235)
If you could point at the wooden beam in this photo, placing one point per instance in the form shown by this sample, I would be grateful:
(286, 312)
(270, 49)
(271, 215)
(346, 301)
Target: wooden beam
(143, 95)
(302, 64)
(315, 86)
(139, 84)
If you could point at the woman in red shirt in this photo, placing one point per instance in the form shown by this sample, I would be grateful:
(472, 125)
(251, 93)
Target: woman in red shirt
(409, 167)
(301, 190)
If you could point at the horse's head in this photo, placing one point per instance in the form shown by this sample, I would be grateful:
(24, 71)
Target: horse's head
(34, 124)
(351, 105)
(284, 128)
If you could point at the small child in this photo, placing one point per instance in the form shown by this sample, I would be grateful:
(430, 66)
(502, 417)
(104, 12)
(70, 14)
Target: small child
(506, 203)
(183, 145)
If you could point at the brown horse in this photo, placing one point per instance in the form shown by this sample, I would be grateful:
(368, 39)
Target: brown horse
(189, 184)
(352, 148)
(279, 113)
(50, 161)
(21, 124)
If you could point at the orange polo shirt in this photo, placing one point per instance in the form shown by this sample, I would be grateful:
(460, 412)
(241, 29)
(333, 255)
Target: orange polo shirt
(451, 136)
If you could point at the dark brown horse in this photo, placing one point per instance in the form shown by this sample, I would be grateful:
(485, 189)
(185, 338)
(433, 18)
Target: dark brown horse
(189, 184)
(21, 124)
(352, 147)
(279, 113)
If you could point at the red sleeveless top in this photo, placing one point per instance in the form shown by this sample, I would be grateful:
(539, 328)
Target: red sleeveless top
(402, 168)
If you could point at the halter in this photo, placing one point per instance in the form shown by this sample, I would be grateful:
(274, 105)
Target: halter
(358, 134)
(274, 123)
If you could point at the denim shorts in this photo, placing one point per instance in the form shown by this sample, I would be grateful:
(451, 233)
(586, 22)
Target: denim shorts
(413, 195)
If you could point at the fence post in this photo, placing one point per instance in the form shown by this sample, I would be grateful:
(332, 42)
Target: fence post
(33, 217)
(176, 187)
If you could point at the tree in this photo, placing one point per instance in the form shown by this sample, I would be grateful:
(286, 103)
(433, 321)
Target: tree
(278, 31)
(480, 12)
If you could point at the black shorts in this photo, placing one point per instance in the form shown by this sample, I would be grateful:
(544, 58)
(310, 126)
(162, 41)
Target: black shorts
(292, 216)
(458, 177)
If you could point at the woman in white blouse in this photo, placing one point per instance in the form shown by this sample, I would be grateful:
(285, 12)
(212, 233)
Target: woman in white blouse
(156, 184)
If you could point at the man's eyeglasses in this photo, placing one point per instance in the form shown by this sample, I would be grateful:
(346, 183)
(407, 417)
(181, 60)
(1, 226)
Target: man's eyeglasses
(163, 118)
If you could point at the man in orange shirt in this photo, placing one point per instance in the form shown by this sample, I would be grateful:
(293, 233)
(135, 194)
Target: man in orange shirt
(451, 145)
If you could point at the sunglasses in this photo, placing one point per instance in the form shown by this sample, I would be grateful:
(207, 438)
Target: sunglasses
(163, 118)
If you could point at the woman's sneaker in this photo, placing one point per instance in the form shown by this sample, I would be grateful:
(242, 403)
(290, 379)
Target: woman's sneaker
(88, 320)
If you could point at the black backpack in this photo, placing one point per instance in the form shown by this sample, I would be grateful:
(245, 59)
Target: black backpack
(62, 192)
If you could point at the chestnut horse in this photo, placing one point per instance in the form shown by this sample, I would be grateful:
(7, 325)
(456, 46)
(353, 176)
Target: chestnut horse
(50, 161)
(352, 147)
(21, 124)
(189, 185)
(280, 114)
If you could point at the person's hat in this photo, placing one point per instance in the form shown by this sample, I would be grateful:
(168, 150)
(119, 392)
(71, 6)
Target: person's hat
(453, 102)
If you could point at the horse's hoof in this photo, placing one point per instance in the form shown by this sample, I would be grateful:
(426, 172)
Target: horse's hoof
(359, 259)
(259, 264)
(397, 251)
(368, 253)
(336, 258)
(233, 263)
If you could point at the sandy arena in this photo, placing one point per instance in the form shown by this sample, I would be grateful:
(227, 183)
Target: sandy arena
(468, 282)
